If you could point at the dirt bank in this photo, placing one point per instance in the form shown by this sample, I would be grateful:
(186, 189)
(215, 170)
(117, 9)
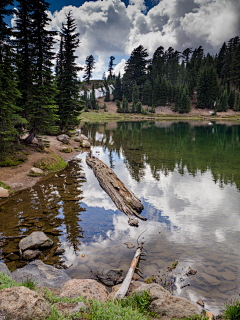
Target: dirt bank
(17, 177)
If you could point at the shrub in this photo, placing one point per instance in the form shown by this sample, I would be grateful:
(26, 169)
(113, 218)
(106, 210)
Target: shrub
(51, 163)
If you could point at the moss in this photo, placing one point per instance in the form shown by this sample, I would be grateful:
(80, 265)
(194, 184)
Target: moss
(13, 159)
(66, 150)
(6, 187)
(51, 163)
(35, 174)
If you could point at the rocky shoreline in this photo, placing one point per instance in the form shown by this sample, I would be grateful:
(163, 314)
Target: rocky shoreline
(23, 303)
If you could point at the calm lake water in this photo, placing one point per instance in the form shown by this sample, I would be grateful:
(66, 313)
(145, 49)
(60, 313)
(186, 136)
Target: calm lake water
(188, 178)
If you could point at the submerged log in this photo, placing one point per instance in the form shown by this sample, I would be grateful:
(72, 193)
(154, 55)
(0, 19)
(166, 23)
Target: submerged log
(123, 198)
(126, 283)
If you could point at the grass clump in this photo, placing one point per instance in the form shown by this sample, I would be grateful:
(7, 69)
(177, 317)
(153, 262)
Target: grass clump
(66, 150)
(51, 163)
(232, 310)
(13, 158)
(7, 282)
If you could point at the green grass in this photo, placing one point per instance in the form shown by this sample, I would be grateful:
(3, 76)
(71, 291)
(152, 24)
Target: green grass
(7, 282)
(3, 185)
(34, 174)
(51, 163)
(232, 310)
(66, 150)
(13, 158)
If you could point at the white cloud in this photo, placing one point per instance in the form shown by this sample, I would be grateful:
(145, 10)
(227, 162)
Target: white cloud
(108, 27)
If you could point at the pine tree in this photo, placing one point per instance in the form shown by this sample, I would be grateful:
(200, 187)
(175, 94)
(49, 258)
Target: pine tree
(135, 94)
(147, 93)
(107, 94)
(93, 100)
(235, 68)
(139, 107)
(24, 44)
(237, 102)
(118, 104)
(43, 114)
(8, 96)
(110, 67)
(90, 65)
(178, 94)
(224, 100)
(207, 87)
(66, 75)
(185, 103)
(156, 92)
(117, 93)
(231, 98)
(164, 91)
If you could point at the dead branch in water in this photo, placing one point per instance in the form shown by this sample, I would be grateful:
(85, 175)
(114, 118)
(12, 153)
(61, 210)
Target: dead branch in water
(123, 198)
(126, 283)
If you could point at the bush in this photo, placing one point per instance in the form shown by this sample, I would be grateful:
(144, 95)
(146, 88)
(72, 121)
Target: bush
(232, 310)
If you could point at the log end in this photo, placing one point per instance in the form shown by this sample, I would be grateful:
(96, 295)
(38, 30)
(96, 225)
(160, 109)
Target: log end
(133, 222)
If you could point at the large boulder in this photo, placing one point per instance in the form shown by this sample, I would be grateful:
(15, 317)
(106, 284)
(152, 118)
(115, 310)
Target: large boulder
(4, 193)
(22, 303)
(88, 288)
(36, 239)
(42, 274)
(4, 269)
(85, 144)
(163, 303)
(82, 137)
(63, 138)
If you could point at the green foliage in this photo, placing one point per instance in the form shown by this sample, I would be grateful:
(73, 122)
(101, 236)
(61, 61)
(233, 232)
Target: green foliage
(51, 163)
(118, 104)
(163, 91)
(117, 92)
(231, 98)
(156, 92)
(66, 150)
(90, 65)
(237, 103)
(139, 107)
(137, 301)
(30, 284)
(66, 78)
(147, 93)
(207, 87)
(107, 95)
(185, 103)
(232, 310)
(135, 94)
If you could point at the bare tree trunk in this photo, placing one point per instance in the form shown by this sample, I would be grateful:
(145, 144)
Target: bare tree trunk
(126, 283)
(123, 198)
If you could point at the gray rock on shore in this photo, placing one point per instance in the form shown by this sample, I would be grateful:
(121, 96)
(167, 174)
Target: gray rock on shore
(163, 303)
(4, 269)
(42, 274)
(35, 240)
(22, 303)
(64, 138)
(88, 288)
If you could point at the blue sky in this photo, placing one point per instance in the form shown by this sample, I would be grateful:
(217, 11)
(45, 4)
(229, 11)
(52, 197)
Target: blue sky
(114, 27)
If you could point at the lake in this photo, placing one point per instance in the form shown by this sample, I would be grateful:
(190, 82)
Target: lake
(187, 175)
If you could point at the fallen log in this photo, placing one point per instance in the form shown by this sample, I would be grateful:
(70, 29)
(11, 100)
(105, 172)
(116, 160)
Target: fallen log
(126, 283)
(123, 198)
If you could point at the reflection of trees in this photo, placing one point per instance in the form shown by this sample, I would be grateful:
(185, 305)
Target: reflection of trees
(191, 148)
(50, 206)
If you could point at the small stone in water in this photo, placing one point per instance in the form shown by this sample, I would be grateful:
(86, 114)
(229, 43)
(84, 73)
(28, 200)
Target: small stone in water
(83, 255)
(129, 245)
(200, 302)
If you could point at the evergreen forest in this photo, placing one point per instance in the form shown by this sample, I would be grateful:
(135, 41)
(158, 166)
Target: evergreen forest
(40, 90)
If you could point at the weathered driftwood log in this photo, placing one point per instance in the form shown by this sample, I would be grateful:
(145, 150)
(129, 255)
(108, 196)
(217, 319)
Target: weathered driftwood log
(123, 198)
(125, 285)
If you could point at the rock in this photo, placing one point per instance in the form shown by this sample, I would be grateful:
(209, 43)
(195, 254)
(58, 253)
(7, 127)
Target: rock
(43, 274)
(210, 279)
(36, 170)
(58, 251)
(129, 245)
(12, 256)
(82, 137)
(4, 193)
(200, 302)
(85, 144)
(210, 315)
(22, 303)
(88, 288)
(2, 317)
(31, 254)
(114, 273)
(228, 275)
(37, 239)
(63, 138)
(163, 303)
(4, 269)
(70, 307)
